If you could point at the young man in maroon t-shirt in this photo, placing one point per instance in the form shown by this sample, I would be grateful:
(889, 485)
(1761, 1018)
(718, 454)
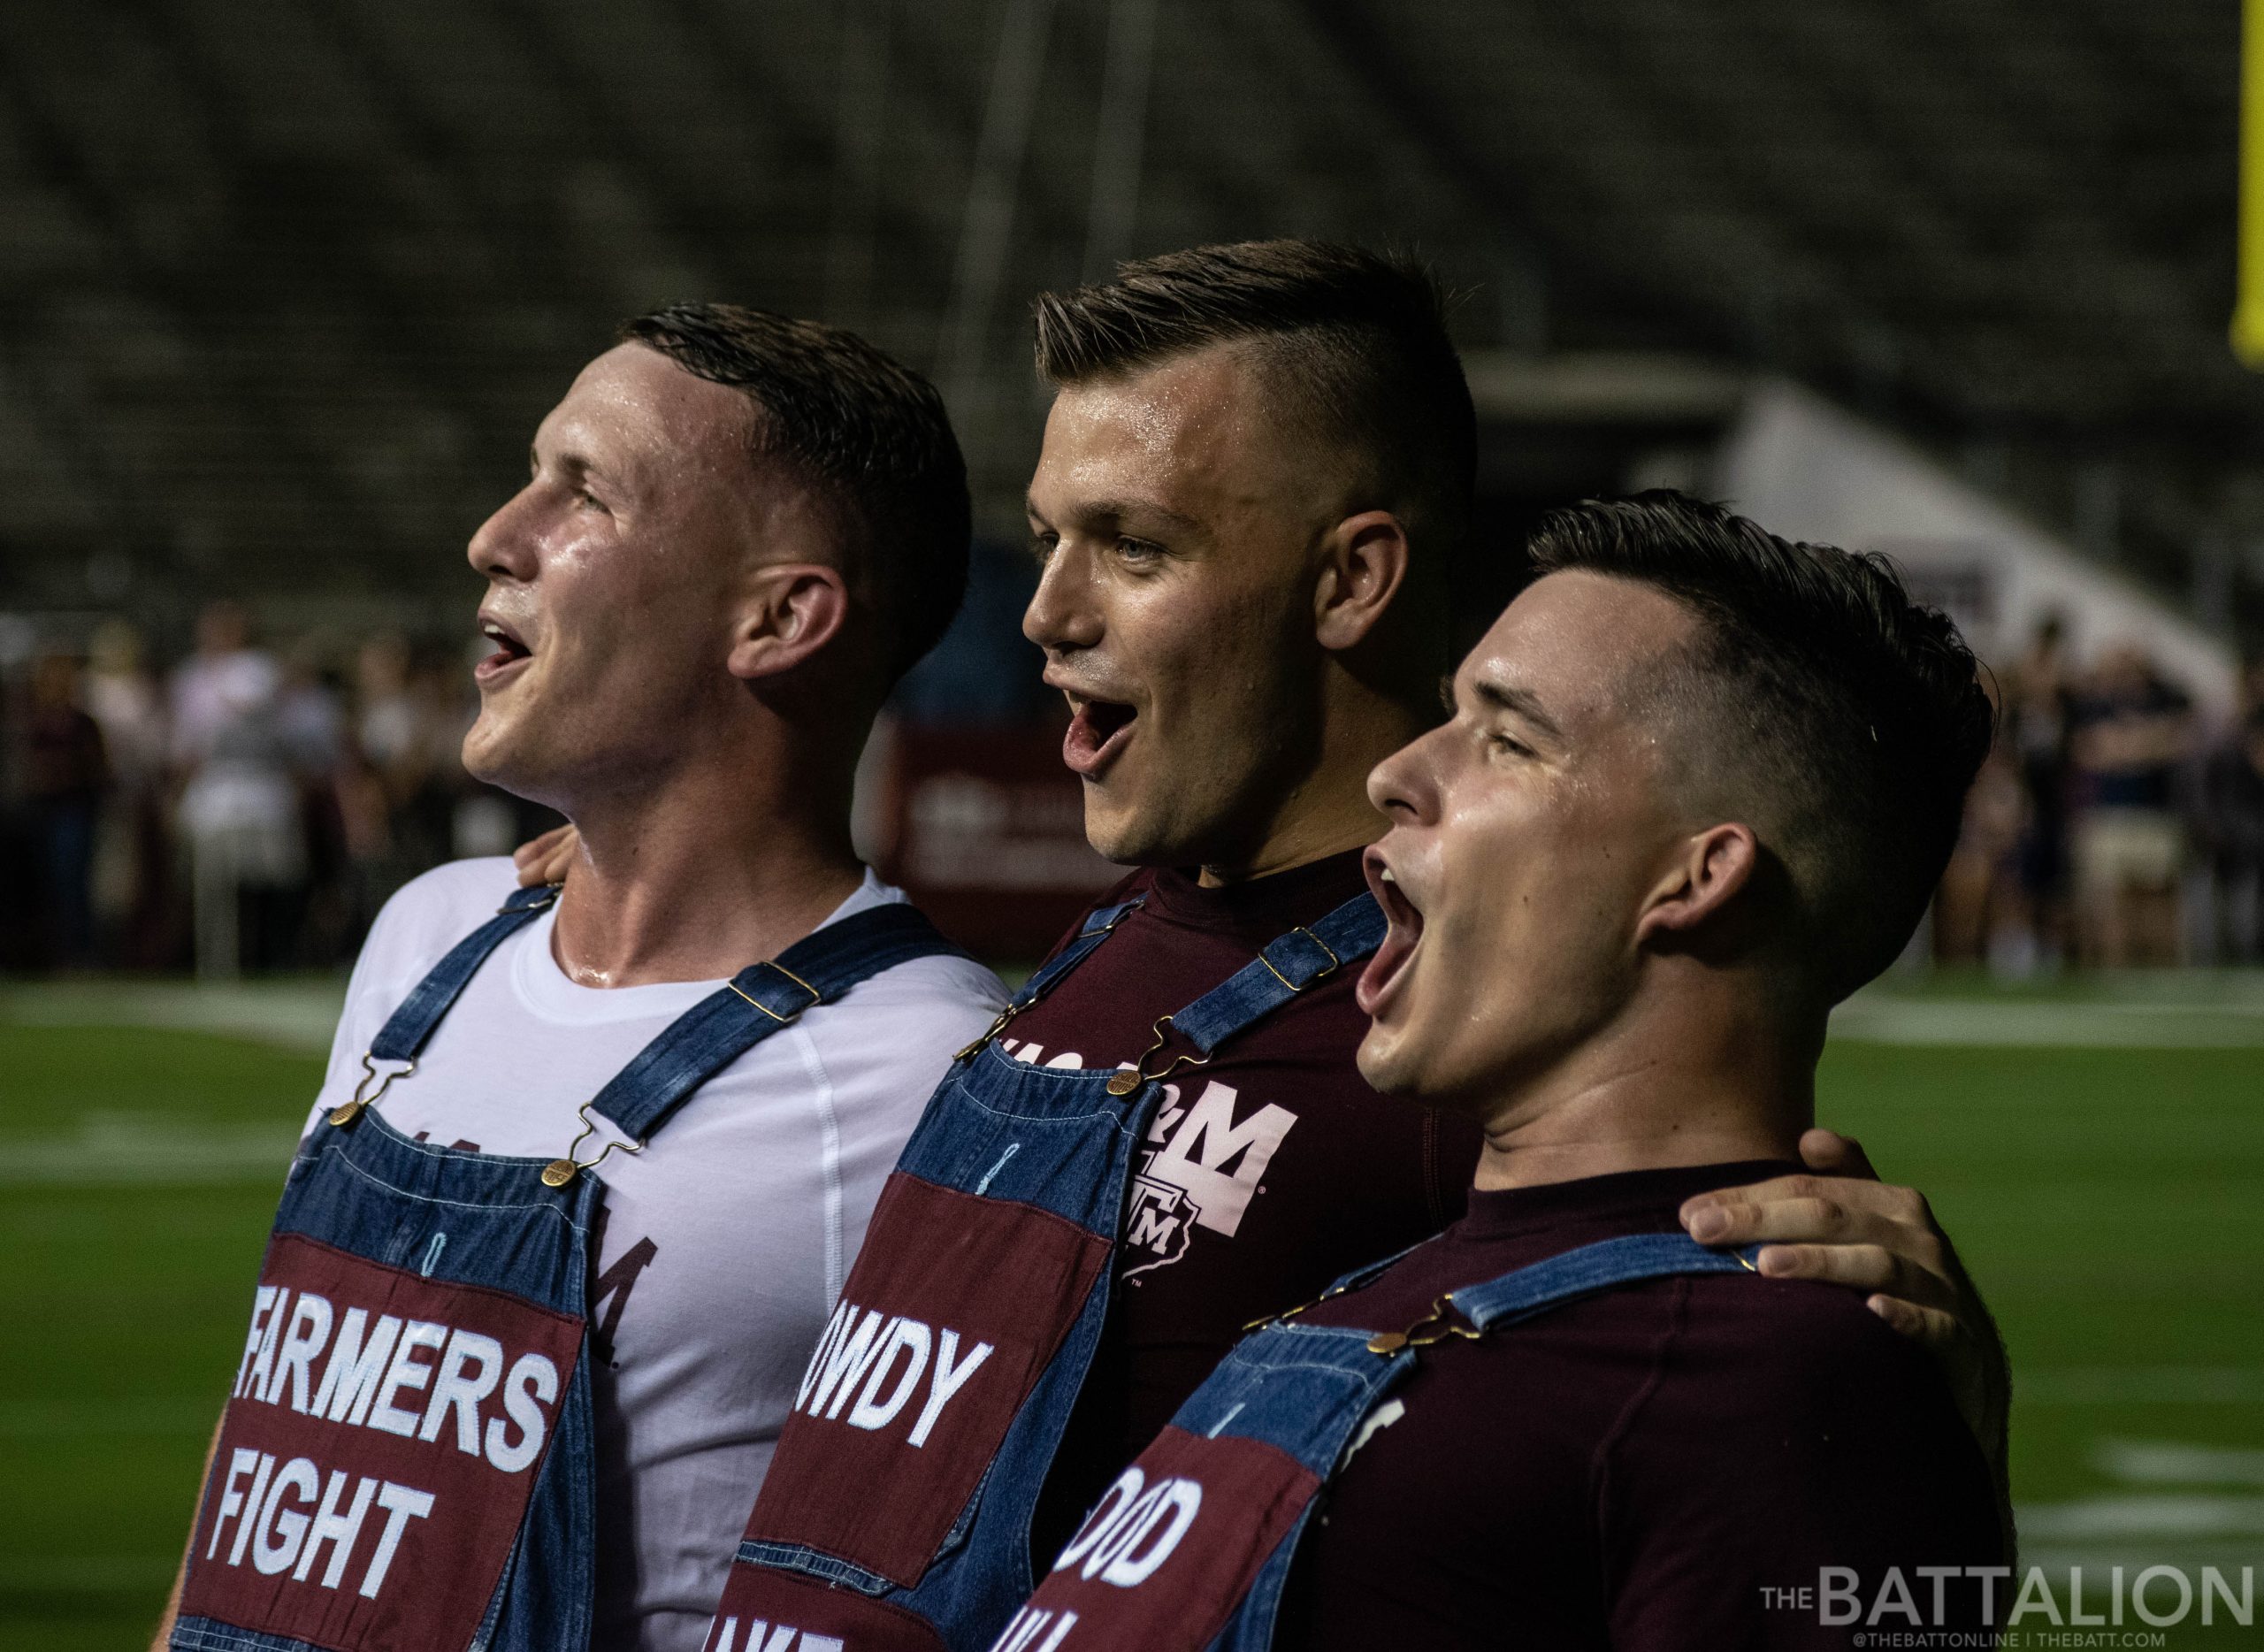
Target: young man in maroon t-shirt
(1698, 786)
(1256, 480)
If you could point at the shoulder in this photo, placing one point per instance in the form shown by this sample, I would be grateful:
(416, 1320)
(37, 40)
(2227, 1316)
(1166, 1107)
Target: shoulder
(1799, 1341)
(1133, 882)
(434, 911)
(901, 1014)
(1790, 1365)
(944, 984)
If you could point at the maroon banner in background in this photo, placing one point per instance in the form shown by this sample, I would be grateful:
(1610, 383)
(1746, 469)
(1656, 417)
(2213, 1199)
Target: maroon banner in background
(986, 832)
(378, 1453)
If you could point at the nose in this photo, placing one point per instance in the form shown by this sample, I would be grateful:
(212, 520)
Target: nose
(1063, 616)
(1404, 785)
(503, 548)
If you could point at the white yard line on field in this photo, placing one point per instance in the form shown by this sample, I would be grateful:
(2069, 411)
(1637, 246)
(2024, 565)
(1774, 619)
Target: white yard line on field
(294, 1014)
(116, 1149)
(1868, 1017)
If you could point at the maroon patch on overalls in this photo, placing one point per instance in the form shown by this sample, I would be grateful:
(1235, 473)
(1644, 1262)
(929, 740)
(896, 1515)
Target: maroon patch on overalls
(955, 1306)
(377, 1454)
(781, 1610)
(1170, 1551)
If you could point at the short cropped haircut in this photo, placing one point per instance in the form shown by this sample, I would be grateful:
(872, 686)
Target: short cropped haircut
(1852, 719)
(867, 433)
(1355, 339)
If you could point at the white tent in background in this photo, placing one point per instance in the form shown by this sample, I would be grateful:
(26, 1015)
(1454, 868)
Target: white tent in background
(1807, 469)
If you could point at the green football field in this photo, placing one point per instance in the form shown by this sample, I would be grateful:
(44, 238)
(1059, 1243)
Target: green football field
(2100, 1157)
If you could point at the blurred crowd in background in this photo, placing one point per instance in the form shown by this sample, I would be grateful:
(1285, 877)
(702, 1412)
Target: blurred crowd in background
(2114, 825)
(247, 807)
(250, 805)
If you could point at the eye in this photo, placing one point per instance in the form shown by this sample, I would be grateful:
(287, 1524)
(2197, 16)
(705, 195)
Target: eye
(588, 501)
(1507, 745)
(1138, 550)
(1042, 546)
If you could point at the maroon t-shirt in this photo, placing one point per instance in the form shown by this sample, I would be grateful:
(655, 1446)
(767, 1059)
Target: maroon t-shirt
(1634, 1468)
(1267, 1174)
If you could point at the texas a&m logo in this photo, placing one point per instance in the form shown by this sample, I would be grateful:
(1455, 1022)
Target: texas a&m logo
(1201, 1166)
(383, 1427)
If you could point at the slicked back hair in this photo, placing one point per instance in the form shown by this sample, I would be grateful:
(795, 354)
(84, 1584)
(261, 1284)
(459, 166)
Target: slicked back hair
(868, 433)
(1850, 719)
(1356, 339)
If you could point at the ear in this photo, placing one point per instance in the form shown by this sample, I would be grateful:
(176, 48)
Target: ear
(1704, 878)
(1363, 564)
(789, 610)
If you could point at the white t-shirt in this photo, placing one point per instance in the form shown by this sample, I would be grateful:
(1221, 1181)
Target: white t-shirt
(723, 1243)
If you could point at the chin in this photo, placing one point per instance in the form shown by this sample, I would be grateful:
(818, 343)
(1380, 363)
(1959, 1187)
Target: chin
(493, 758)
(1117, 833)
(481, 758)
(1383, 1062)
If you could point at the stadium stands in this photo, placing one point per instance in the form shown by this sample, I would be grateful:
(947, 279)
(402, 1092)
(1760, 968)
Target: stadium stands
(285, 285)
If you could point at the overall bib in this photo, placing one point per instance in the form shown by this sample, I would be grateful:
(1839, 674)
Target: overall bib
(897, 1512)
(1190, 1547)
(406, 1462)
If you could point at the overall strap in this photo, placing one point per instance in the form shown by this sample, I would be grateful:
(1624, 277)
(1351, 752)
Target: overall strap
(1098, 925)
(1287, 966)
(757, 1002)
(408, 1027)
(1525, 1291)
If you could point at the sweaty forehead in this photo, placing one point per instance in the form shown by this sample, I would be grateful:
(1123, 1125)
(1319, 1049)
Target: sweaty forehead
(1586, 646)
(636, 412)
(1200, 428)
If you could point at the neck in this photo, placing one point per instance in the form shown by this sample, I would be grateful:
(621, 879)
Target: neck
(1328, 811)
(1693, 1084)
(722, 861)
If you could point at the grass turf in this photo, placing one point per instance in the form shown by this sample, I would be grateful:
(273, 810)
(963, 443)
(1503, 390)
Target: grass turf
(2111, 1201)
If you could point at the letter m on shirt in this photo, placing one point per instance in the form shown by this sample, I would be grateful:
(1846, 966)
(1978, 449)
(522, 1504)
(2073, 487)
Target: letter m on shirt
(1220, 1163)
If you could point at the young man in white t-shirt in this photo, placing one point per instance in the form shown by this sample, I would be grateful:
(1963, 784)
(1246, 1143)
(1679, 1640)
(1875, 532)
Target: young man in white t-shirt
(738, 531)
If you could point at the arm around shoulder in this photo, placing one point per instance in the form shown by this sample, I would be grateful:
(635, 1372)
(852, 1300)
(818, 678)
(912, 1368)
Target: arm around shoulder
(1792, 1461)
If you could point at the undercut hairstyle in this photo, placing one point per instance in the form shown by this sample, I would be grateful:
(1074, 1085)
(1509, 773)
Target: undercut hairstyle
(867, 434)
(1847, 717)
(1356, 342)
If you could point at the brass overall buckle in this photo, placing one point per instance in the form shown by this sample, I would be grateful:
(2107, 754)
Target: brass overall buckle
(563, 1170)
(345, 1112)
(1129, 1080)
(1416, 1337)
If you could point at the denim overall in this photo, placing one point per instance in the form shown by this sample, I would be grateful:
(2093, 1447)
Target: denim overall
(1190, 1547)
(897, 1512)
(405, 1461)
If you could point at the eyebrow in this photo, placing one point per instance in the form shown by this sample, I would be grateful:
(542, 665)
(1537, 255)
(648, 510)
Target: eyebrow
(573, 461)
(1521, 701)
(1118, 509)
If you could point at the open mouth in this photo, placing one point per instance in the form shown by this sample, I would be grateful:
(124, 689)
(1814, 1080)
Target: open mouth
(1098, 730)
(1405, 933)
(510, 649)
